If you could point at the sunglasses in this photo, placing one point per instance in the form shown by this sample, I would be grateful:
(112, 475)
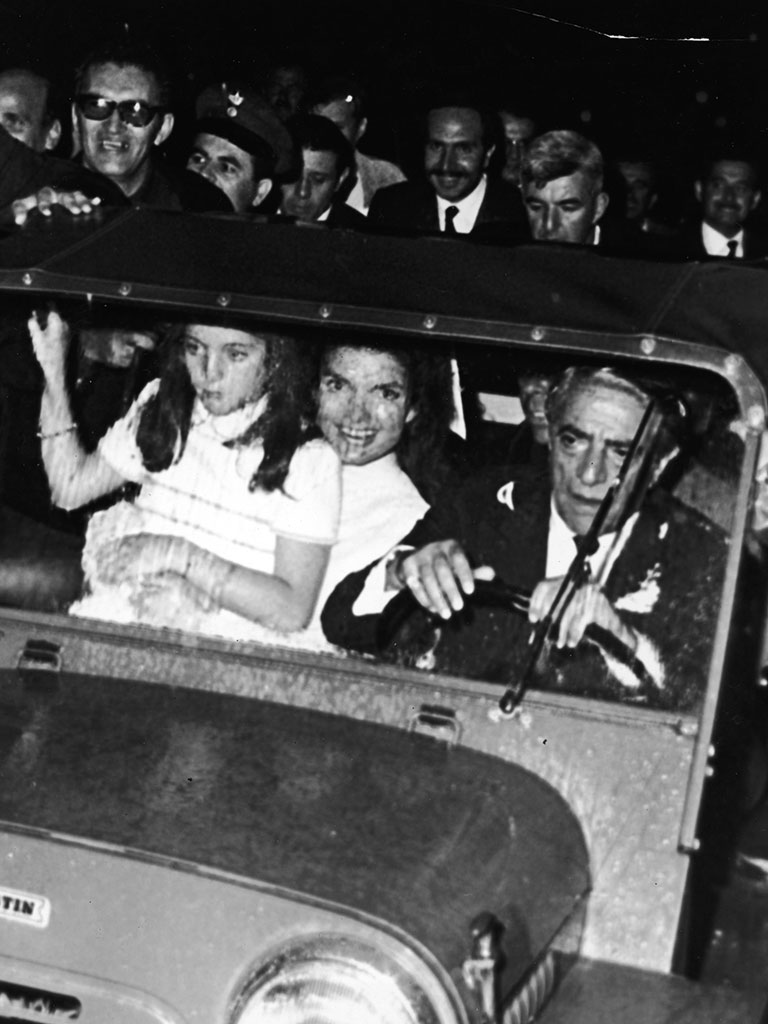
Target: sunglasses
(136, 113)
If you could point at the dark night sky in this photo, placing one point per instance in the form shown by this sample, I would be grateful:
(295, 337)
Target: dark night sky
(555, 53)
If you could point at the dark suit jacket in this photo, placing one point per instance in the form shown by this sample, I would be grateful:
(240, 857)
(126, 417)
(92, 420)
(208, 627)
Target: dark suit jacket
(343, 216)
(411, 208)
(671, 547)
(689, 246)
(170, 188)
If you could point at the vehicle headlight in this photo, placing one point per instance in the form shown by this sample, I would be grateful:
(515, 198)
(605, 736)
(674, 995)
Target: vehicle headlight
(332, 979)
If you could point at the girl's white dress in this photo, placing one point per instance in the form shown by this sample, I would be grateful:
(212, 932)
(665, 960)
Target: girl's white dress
(204, 497)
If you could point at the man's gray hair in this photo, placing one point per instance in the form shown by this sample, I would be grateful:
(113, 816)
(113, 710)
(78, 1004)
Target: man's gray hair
(559, 154)
(575, 378)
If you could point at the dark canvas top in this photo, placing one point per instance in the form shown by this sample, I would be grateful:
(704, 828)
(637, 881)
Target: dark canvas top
(276, 269)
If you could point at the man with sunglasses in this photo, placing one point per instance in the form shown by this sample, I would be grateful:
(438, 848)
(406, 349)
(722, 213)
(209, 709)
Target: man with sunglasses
(121, 116)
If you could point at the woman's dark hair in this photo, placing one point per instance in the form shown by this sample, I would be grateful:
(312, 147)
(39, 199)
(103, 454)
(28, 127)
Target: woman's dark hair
(165, 419)
(421, 448)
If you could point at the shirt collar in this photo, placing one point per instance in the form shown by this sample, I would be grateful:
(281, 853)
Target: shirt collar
(233, 424)
(561, 547)
(468, 207)
(716, 243)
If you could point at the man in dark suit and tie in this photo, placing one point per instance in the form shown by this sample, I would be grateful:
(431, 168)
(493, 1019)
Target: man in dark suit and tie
(652, 583)
(457, 197)
(728, 189)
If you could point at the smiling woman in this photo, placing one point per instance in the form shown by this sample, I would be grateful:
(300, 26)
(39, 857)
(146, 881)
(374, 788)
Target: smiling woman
(386, 410)
(234, 517)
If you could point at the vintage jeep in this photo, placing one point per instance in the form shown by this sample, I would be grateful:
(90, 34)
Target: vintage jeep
(199, 830)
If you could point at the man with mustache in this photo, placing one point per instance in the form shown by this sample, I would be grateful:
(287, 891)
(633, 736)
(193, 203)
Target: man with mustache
(457, 197)
(728, 190)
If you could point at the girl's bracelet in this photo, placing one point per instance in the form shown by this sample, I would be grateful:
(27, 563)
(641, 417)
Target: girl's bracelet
(56, 433)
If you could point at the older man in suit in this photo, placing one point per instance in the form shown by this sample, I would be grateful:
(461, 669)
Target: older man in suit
(652, 582)
(456, 197)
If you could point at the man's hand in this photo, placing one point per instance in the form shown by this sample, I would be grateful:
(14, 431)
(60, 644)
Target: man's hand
(47, 198)
(439, 574)
(588, 606)
(51, 344)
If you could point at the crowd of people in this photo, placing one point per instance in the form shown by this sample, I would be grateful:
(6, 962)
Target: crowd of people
(286, 145)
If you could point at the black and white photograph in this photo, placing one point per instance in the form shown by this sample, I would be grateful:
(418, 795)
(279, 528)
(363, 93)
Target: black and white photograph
(383, 512)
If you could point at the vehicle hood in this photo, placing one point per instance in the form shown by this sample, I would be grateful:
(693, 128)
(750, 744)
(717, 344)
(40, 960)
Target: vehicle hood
(388, 822)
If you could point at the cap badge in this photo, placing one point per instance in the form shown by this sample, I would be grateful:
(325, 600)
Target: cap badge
(235, 99)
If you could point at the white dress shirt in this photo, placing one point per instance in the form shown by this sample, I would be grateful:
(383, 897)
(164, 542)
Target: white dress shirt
(468, 208)
(717, 244)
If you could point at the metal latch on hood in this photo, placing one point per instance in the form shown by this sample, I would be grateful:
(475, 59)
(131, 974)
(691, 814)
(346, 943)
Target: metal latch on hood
(39, 664)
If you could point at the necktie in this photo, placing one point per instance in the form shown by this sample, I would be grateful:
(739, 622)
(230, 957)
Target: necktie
(450, 214)
(578, 539)
(733, 245)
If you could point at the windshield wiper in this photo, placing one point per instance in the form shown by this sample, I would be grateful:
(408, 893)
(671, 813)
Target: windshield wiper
(626, 494)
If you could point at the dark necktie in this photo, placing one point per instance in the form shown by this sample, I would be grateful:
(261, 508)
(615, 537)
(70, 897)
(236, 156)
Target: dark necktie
(450, 216)
(733, 245)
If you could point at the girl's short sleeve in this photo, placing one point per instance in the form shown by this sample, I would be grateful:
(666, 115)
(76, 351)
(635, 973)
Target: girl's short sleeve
(118, 446)
(309, 506)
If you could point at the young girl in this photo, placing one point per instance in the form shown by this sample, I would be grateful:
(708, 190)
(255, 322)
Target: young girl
(235, 517)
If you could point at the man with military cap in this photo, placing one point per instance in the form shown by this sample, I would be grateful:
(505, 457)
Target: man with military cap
(241, 146)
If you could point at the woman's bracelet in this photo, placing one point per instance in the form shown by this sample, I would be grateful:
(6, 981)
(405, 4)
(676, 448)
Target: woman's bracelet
(56, 433)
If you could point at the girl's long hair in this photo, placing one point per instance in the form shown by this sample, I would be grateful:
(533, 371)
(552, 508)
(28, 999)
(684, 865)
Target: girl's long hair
(165, 419)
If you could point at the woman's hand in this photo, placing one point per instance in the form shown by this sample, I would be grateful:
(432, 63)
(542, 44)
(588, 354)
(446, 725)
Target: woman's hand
(143, 555)
(50, 341)
(589, 606)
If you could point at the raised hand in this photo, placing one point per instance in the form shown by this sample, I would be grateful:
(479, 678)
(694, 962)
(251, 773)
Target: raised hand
(47, 199)
(50, 341)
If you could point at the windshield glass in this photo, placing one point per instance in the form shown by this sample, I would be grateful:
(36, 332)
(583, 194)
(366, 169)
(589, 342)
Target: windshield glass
(367, 496)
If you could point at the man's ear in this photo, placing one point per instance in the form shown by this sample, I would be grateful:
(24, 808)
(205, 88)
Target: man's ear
(488, 154)
(756, 199)
(698, 191)
(601, 205)
(53, 134)
(342, 178)
(361, 130)
(263, 188)
(165, 129)
(77, 142)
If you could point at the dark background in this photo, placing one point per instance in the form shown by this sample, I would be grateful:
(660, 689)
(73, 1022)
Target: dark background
(657, 91)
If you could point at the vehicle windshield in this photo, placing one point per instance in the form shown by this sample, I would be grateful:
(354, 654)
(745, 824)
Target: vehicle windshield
(258, 491)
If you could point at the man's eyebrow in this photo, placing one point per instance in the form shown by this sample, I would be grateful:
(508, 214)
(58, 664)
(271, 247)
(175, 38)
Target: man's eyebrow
(231, 159)
(583, 435)
(570, 429)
